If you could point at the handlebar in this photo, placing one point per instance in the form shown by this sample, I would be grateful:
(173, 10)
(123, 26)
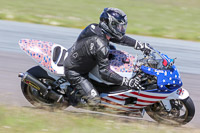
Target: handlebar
(166, 61)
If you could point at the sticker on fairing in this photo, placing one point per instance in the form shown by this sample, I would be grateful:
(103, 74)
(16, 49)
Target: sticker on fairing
(180, 92)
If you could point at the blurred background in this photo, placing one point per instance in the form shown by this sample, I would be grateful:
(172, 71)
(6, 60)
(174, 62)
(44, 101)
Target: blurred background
(163, 18)
(172, 19)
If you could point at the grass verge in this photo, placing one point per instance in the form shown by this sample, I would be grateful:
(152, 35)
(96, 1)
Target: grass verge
(27, 120)
(163, 18)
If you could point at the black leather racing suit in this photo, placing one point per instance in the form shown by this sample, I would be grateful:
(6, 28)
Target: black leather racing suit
(91, 49)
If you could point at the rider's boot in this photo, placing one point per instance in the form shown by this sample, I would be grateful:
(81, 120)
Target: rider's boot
(89, 94)
(93, 101)
(90, 102)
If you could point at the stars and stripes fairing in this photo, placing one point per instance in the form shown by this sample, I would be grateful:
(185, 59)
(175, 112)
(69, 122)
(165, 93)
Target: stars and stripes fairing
(142, 99)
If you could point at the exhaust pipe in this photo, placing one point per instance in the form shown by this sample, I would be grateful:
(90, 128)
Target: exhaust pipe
(35, 83)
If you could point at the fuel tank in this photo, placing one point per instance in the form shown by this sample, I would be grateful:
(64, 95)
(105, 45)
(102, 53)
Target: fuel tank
(121, 62)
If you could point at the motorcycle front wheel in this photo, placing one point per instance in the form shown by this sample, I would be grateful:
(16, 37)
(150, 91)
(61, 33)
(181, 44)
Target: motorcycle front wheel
(181, 113)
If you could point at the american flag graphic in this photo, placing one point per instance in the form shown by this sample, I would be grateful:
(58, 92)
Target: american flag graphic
(117, 101)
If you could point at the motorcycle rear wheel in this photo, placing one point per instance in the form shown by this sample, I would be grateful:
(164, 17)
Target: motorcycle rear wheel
(34, 96)
(182, 112)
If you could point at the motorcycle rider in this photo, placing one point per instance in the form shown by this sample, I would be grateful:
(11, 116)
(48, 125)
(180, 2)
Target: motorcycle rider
(92, 48)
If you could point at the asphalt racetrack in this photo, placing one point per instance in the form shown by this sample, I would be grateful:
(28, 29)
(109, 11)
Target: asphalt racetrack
(13, 60)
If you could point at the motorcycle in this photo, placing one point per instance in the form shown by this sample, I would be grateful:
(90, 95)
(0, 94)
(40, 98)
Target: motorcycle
(163, 97)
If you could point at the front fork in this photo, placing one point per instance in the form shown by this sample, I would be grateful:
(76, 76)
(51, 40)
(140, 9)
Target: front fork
(180, 93)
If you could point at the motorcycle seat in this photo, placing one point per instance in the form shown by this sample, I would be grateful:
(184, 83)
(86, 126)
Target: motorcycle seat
(109, 89)
(115, 89)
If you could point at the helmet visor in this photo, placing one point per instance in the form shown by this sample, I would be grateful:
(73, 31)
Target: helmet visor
(120, 27)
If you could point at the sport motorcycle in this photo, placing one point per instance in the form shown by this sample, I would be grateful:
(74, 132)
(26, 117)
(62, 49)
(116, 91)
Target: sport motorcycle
(163, 98)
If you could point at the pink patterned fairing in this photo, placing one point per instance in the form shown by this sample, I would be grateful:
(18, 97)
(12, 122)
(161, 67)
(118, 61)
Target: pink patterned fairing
(118, 62)
(40, 51)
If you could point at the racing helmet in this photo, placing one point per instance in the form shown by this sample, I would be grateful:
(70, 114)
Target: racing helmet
(113, 21)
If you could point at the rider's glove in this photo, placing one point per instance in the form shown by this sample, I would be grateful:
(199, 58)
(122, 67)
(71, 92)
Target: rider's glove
(144, 47)
(146, 50)
(133, 83)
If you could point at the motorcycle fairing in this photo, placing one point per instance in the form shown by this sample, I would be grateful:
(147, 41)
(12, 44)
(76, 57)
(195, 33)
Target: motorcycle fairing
(121, 63)
(167, 80)
(41, 52)
(50, 56)
(180, 93)
(143, 99)
(170, 78)
(58, 56)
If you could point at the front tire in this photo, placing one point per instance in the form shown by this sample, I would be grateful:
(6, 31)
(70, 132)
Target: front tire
(181, 113)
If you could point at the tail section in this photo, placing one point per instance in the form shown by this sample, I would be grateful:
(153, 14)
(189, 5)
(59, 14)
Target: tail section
(44, 54)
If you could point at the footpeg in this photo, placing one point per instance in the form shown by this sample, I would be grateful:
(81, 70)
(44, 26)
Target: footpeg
(54, 96)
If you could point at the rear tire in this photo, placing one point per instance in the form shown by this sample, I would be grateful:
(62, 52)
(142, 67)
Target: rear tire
(159, 114)
(34, 96)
